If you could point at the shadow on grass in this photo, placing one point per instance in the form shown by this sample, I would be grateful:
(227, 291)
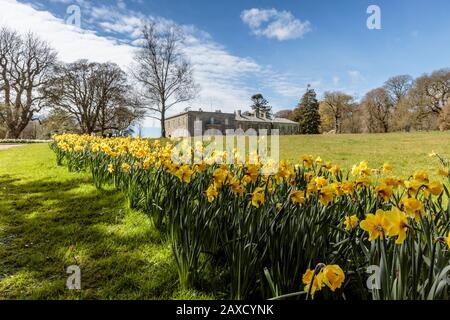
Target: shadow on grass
(46, 226)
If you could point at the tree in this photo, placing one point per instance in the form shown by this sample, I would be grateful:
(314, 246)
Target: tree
(57, 122)
(338, 105)
(286, 114)
(433, 91)
(398, 87)
(378, 107)
(26, 66)
(307, 113)
(96, 95)
(444, 118)
(163, 72)
(261, 106)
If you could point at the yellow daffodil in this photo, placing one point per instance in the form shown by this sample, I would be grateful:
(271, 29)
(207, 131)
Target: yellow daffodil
(413, 207)
(298, 197)
(320, 182)
(236, 187)
(351, 222)
(307, 160)
(110, 168)
(347, 187)
(435, 188)
(387, 167)
(384, 192)
(126, 167)
(258, 197)
(421, 176)
(212, 193)
(335, 170)
(311, 286)
(220, 176)
(399, 225)
(333, 276)
(413, 186)
(377, 225)
(444, 173)
(184, 173)
(326, 195)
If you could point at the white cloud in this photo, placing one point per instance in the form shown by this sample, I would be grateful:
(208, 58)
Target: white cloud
(336, 80)
(271, 23)
(224, 78)
(355, 76)
(71, 42)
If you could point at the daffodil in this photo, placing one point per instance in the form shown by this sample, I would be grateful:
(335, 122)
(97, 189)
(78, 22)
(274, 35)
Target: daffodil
(212, 193)
(220, 176)
(387, 167)
(236, 187)
(351, 222)
(413, 207)
(377, 225)
(110, 168)
(399, 225)
(326, 195)
(313, 282)
(258, 197)
(184, 173)
(421, 176)
(126, 167)
(435, 188)
(384, 192)
(444, 173)
(297, 197)
(333, 276)
(307, 160)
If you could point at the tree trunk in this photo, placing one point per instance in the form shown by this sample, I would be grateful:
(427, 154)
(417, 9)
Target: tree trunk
(12, 133)
(163, 125)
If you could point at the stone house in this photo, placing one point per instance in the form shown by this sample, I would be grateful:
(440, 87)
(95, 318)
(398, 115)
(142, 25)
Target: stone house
(183, 124)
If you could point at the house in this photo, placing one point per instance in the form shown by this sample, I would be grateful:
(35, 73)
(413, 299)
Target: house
(185, 124)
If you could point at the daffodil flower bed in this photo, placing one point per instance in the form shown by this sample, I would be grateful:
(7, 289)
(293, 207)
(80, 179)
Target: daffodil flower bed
(307, 230)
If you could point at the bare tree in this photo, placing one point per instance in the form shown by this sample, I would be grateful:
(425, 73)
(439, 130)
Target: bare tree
(378, 107)
(398, 87)
(433, 91)
(95, 95)
(162, 70)
(339, 104)
(26, 65)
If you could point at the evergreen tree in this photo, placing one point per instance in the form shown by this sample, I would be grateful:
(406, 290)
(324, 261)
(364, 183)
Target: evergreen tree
(307, 113)
(261, 105)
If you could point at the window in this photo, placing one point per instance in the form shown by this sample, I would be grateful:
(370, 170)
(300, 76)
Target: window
(227, 121)
(212, 120)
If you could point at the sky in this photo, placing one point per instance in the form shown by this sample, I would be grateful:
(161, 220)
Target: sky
(239, 48)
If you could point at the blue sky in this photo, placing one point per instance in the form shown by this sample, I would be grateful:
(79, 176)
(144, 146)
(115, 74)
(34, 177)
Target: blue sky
(248, 46)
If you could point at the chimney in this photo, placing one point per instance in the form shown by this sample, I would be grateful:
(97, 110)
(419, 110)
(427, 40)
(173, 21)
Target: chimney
(239, 113)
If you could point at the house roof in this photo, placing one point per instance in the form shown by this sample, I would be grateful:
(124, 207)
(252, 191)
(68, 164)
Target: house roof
(253, 118)
(244, 117)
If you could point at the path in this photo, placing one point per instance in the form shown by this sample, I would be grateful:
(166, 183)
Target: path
(9, 146)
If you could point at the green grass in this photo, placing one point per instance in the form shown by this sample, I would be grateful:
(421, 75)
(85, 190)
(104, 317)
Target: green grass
(407, 152)
(51, 219)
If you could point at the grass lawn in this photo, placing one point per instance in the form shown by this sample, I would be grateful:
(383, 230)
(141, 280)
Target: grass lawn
(51, 219)
(407, 152)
